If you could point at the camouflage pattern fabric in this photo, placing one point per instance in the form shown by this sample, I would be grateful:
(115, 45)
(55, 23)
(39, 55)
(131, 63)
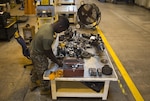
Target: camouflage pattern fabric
(40, 64)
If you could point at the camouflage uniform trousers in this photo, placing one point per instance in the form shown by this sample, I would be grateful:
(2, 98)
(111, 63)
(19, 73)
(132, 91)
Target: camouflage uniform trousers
(40, 64)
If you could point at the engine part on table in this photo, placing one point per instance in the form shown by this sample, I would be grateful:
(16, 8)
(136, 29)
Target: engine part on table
(107, 70)
(86, 35)
(99, 71)
(78, 52)
(77, 35)
(73, 67)
(77, 46)
(61, 51)
(89, 15)
(71, 53)
(92, 71)
(73, 50)
(96, 86)
(87, 46)
(68, 32)
(85, 54)
(97, 42)
(104, 61)
(101, 46)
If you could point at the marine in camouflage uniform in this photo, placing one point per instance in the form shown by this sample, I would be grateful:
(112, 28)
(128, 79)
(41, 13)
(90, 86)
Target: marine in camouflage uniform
(41, 50)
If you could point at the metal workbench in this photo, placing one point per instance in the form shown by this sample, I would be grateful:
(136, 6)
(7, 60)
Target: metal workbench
(72, 86)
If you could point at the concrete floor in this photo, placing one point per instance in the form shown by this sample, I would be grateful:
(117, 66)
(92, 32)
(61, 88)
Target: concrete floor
(126, 27)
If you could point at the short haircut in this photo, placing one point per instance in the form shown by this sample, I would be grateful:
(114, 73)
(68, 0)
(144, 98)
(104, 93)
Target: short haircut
(64, 21)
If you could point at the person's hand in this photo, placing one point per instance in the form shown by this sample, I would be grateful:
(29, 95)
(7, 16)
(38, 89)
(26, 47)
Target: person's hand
(60, 64)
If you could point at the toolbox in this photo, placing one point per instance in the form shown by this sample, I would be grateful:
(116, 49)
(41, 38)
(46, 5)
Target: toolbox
(73, 67)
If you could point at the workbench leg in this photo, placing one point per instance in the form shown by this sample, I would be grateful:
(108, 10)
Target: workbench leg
(53, 89)
(106, 88)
